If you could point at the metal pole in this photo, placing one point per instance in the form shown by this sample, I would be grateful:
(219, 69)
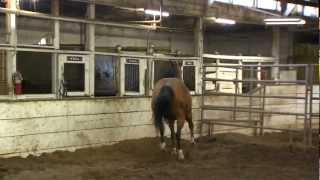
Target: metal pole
(203, 88)
(250, 99)
(305, 132)
(263, 108)
(311, 79)
(235, 97)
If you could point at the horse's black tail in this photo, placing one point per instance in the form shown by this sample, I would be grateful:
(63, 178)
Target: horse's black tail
(163, 105)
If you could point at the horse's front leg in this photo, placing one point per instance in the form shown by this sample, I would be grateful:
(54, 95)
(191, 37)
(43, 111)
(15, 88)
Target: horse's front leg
(173, 136)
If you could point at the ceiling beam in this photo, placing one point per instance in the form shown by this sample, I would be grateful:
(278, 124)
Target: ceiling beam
(302, 2)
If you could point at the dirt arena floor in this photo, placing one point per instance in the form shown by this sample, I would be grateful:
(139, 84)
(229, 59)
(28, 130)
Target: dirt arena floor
(225, 157)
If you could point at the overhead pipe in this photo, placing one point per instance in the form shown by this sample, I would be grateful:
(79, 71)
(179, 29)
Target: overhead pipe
(68, 19)
(45, 16)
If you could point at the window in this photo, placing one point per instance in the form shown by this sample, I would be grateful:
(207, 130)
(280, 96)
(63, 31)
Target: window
(3, 74)
(72, 36)
(133, 71)
(311, 11)
(3, 33)
(36, 71)
(73, 75)
(270, 4)
(166, 69)
(225, 1)
(248, 3)
(105, 76)
(266, 73)
(2, 3)
(249, 73)
(189, 75)
(73, 8)
(30, 33)
(42, 6)
(132, 79)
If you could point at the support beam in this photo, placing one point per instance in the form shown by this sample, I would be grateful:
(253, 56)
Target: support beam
(276, 51)
(198, 37)
(90, 43)
(11, 28)
(55, 11)
(303, 2)
(56, 28)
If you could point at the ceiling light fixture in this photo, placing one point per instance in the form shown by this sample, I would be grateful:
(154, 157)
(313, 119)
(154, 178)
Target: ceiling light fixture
(223, 21)
(284, 21)
(156, 13)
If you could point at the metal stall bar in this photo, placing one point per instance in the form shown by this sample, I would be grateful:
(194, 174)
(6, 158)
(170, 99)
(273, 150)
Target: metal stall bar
(310, 89)
(257, 127)
(254, 96)
(203, 86)
(262, 81)
(235, 95)
(306, 110)
(250, 98)
(253, 110)
(251, 65)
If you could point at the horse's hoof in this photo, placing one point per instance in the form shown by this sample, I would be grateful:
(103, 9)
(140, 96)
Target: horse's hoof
(193, 142)
(180, 155)
(163, 146)
(174, 151)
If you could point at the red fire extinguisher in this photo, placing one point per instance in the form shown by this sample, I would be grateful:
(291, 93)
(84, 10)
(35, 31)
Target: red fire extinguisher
(17, 81)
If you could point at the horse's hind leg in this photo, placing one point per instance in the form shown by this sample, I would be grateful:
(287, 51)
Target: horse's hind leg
(173, 138)
(162, 142)
(180, 123)
(191, 127)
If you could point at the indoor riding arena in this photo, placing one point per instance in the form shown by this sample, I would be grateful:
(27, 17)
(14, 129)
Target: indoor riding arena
(159, 90)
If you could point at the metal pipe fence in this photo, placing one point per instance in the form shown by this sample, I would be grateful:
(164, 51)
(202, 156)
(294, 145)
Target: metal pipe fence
(258, 93)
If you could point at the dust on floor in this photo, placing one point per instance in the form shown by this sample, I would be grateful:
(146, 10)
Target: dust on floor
(225, 157)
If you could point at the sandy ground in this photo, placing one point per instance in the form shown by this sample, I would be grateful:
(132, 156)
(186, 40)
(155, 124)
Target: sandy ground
(225, 157)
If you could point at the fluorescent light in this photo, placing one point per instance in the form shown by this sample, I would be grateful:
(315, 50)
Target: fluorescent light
(223, 20)
(156, 13)
(287, 23)
(284, 21)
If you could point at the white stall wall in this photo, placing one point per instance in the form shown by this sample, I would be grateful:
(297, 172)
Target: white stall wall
(32, 127)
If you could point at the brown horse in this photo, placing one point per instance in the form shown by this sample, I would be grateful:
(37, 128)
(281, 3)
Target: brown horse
(171, 100)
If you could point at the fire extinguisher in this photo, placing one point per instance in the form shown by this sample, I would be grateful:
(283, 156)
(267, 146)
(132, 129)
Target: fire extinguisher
(17, 81)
